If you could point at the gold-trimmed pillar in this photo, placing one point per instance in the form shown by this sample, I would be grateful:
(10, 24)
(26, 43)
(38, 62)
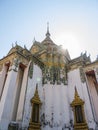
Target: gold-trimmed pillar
(34, 123)
(79, 115)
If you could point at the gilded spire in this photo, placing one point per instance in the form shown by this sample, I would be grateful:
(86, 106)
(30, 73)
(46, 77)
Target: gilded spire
(47, 34)
(76, 93)
(77, 100)
(36, 91)
(36, 97)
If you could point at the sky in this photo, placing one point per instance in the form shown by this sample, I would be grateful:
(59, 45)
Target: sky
(72, 24)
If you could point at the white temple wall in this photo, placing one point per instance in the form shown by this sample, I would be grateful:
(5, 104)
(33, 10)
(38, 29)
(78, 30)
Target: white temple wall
(55, 107)
(7, 100)
(55, 99)
(75, 80)
(31, 86)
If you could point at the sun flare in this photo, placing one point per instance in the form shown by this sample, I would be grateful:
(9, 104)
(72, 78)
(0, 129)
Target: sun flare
(69, 41)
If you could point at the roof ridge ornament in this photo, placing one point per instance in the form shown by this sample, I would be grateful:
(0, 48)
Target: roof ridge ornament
(47, 34)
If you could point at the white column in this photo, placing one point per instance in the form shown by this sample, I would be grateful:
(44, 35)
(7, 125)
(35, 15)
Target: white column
(7, 98)
(87, 107)
(2, 78)
(96, 73)
(22, 95)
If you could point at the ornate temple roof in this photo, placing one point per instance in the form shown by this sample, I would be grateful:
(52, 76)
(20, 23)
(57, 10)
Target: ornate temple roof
(47, 49)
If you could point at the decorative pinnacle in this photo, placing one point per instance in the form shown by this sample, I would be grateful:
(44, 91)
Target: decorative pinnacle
(48, 34)
(36, 91)
(76, 93)
(36, 86)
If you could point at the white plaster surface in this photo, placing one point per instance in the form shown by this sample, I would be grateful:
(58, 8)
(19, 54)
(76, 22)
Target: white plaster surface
(55, 101)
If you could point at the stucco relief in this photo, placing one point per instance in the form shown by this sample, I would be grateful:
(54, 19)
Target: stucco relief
(55, 75)
(31, 70)
(82, 75)
(14, 64)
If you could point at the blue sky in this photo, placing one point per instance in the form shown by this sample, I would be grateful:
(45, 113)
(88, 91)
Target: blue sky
(72, 23)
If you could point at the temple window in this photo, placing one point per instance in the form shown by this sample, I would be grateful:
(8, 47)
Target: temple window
(34, 123)
(35, 115)
(78, 113)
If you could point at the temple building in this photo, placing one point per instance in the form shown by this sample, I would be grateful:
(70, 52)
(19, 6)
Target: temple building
(44, 89)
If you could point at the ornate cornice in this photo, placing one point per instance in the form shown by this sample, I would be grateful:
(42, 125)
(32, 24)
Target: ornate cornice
(23, 57)
(80, 61)
(91, 66)
(38, 61)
